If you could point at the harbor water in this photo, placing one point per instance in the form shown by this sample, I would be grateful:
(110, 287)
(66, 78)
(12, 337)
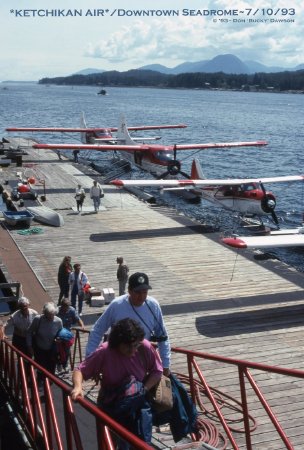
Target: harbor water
(210, 116)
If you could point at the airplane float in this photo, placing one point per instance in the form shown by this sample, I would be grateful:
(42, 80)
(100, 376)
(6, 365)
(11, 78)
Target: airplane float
(159, 160)
(292, 237)
(247, 196)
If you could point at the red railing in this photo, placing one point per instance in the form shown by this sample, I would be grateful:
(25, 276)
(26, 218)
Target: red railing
(219, 409)
(39, 413)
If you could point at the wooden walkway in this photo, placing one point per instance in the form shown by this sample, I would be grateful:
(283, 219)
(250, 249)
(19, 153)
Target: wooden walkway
(214, 300)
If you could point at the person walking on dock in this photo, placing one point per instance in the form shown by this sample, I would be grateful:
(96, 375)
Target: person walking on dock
(122, 275)
(79, 197)
(75, 155)
(77, 280)
(20, 321)
(96, 193)
(69, 318)
(40, 337)
(139, 306)
(128, 363)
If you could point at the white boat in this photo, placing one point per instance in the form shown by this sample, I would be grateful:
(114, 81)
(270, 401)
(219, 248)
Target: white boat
(46, 215)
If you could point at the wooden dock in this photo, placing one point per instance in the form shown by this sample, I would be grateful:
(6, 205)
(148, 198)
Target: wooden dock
(239, 305)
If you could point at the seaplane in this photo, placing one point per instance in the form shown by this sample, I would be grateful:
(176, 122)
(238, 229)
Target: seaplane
(159, 160)
(246, 196)
(289, 237)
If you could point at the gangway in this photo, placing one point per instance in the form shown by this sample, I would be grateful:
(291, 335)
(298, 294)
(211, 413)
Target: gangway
(235, 415)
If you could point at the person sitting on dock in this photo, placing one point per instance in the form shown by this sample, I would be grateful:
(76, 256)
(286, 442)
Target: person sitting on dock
(20, 321)
(139, 306)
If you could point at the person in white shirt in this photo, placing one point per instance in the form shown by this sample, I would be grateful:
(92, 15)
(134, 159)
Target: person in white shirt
(19, 322)
(77, 280)
(79, 196)
(96, 193)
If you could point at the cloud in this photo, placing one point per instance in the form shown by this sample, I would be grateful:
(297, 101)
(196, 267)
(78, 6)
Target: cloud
(178, 39)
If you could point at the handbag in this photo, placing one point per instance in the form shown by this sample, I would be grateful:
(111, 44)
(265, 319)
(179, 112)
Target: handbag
(129, 387)
(161, 397)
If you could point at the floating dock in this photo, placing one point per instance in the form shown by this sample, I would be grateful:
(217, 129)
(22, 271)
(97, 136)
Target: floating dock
(214, 299)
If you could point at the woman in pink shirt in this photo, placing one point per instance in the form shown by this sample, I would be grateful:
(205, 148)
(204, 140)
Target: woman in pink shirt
(130, 367)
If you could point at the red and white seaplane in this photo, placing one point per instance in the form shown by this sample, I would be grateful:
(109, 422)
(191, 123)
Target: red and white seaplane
(246, 196)
(290, 237)
(159, 160)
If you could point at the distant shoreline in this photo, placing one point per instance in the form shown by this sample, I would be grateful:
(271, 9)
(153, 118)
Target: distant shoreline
(267, 90)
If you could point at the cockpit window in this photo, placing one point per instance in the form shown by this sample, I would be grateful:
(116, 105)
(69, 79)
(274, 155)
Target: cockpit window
(164, 155)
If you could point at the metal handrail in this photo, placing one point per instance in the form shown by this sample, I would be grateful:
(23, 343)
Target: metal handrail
(16, 383)
(18, 376)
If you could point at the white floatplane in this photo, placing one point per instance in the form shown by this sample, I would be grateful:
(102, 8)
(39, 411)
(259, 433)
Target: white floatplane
(243, 195)
(159, 160)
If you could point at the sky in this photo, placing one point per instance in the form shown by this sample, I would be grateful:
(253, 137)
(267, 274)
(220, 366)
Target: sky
(48, 38)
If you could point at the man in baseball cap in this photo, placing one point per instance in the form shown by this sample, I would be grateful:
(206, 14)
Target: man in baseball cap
(139, 281)
(137, 305)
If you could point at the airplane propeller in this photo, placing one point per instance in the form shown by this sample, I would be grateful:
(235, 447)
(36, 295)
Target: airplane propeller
(268, 204)
(173, 167)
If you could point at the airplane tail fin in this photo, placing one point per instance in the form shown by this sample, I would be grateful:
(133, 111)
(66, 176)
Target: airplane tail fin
(83, 124)
(196, 170)
(123, 135)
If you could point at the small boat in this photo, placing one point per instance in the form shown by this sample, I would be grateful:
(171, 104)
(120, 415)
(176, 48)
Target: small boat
(14, 218)
(46, 215)
(102, 92)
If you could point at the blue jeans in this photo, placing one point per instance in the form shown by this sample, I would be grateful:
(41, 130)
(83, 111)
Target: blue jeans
(96, 202)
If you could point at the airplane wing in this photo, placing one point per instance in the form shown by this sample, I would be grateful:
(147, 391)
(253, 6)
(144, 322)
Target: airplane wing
(140, 139)
(295, 239)
(59, 130)
(189, 184)
(84, 130)
(151, 147)
(156, 127)
(219, 145)
(101, 147)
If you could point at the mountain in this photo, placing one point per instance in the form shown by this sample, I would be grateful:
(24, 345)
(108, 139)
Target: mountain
(299, 67)
(88, 71)
(227, 63)
(189, 67)
(156, 68)
(255, 66)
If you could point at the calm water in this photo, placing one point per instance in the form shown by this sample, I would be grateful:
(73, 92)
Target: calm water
(211, 116)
